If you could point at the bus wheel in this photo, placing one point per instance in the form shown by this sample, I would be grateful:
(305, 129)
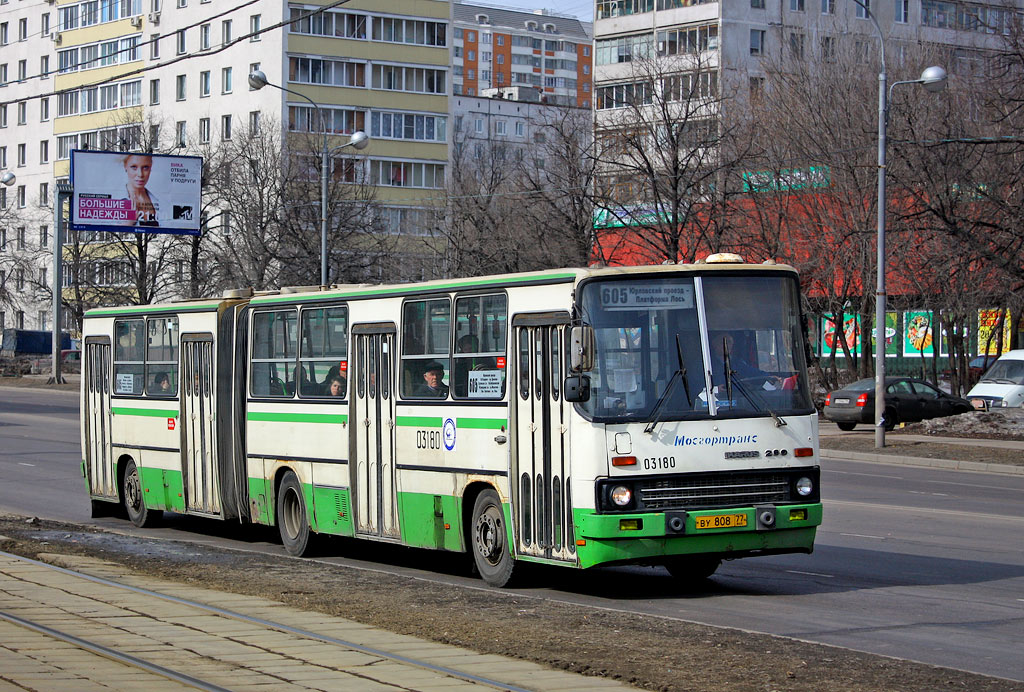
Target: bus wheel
(692, 570)
(489, 538)
(134, 504)
(292, 521)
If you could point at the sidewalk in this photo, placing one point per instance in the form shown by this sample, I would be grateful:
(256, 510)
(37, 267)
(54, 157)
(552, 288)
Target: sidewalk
(121, 639)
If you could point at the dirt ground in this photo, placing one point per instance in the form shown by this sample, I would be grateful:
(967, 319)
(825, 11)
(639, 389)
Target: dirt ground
(649, 652)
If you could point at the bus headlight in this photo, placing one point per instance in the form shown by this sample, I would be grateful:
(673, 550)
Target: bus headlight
(804, 486)
(621, 495)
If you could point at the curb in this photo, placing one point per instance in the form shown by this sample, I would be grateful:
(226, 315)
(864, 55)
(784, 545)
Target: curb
(922, 461)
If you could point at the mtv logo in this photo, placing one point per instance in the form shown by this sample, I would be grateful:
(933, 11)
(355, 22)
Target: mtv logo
(182, 211)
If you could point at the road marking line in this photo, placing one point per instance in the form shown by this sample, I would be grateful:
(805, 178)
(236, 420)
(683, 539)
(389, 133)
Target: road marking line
(813, 574)
(854, 473)
(863, 535)
(22, 463)
(926, 510)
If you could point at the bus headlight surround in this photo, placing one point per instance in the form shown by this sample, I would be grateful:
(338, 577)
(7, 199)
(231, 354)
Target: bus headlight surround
(621, 496)
(804, 486)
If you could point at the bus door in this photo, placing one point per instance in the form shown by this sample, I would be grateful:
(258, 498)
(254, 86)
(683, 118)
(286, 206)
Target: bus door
(97, 418)
(198, 425)
(541, 460)
(372, 430)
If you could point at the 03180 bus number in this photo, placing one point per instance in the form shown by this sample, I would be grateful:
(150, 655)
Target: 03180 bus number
(656, 463)
(428, 439)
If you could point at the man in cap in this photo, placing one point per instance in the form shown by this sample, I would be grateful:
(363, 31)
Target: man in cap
(432, 381)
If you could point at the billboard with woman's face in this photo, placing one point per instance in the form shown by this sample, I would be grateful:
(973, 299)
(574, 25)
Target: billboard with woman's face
(135, 192)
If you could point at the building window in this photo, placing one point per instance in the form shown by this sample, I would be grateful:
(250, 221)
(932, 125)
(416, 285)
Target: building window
(44, 236)
(796, 45)
(254, 122)
(44, 109)
(181, 42)
(21, 196)
(225, 32)
(863, 8)
(21, 155)
(44, 194)
(225, 80)
(254, 27)
(204, 130)
(154, 46)
(757, 41)
(21, 239)
(204, 84)
(204, 37)
(44, 151)
(828, 6)
(179, 133)
(225, 127)
(179, 87)
(154, 92)
(44, 66)
(902, 11)
(22, 113)
(796, 5)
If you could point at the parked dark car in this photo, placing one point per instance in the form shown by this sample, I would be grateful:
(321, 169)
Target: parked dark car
(976, 367)
(906, 401)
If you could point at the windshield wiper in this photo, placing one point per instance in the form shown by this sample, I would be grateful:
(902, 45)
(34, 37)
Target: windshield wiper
(758, 402)
(679, 374)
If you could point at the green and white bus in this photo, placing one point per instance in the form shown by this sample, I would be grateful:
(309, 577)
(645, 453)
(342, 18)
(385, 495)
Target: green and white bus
(578, 417)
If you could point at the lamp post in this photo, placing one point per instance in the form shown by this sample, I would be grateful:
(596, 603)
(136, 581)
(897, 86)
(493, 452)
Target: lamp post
(358, 140)
(63, 193)
(933, 79)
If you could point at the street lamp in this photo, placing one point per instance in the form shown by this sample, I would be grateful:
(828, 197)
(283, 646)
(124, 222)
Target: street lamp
(8, 178)
(933, 79)
(358, 140)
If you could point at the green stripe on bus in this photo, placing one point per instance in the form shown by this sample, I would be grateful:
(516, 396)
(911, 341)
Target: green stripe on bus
(297, 417)
(419, 421)
(481, 423)
(148, 412)
(398, 290)
(139, 309)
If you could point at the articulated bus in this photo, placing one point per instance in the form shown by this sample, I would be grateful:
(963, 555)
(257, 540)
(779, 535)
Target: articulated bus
(575, 417)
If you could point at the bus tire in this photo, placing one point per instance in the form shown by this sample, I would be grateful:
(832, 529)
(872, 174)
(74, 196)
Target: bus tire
(692, 570)
(489, 540)
(292, 520)
(134, 503)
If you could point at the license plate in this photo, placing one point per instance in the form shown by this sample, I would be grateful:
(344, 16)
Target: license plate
(721, 521)
(842, 401)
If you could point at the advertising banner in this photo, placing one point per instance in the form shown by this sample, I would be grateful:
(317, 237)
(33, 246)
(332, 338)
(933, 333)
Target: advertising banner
(850, 331)
(918, 333)
(892, 345)
(988, 338)
(135, 193)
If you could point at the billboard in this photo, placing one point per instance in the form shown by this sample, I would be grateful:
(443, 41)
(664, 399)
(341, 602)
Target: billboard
(135, 193)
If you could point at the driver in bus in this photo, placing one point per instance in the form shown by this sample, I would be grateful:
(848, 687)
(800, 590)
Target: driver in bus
(432, 382)
(723, 343)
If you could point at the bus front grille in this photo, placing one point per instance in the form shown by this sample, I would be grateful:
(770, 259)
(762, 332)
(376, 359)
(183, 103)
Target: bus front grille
(704, 491)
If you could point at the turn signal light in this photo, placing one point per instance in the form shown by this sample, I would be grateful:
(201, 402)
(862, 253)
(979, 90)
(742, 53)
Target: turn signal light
(803, 452)
(623, 461)
(631, 524)
(798, 515)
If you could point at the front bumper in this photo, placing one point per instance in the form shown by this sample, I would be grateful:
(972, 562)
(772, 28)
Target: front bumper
(650, 537)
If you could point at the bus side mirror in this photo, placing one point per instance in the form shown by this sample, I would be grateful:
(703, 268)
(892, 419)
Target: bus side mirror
(581, 349)
(576, 389)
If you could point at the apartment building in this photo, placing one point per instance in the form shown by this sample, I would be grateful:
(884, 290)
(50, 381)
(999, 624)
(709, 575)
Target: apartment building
(496, 47)
(171, 76)
(26, 160)
(723, 47)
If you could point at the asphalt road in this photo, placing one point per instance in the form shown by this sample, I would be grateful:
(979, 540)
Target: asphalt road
(911, 562)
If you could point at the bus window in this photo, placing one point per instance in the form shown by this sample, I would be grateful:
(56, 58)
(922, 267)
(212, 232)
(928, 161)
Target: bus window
(426, 332)
(274, 367)
(129, 356)
(324, 349)
(162, 357)
(478, 362)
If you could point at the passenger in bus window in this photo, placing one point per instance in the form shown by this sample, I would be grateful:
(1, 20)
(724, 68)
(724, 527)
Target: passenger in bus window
(162, 383)
(433, 386)
(336, 386)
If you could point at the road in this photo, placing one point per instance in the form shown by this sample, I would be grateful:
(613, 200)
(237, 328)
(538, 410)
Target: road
(911, 562)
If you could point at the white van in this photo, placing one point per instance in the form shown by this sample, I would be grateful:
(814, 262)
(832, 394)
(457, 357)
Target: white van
(1002, 385)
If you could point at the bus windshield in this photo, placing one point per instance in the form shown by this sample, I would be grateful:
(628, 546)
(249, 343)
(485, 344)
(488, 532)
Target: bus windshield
(654, 361)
